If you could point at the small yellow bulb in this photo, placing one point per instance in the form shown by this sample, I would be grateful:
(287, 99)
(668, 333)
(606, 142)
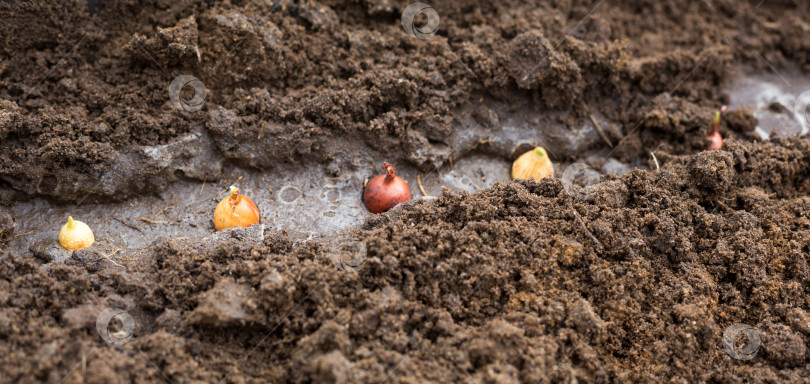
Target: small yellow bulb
(75, 235)
(534, 164)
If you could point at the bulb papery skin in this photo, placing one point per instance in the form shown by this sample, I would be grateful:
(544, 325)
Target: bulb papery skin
(533, 164)
(235, 211)
(386, 191)
(76, 235)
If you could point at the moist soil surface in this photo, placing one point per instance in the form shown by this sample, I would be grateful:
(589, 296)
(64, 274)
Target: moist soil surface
(636, 281)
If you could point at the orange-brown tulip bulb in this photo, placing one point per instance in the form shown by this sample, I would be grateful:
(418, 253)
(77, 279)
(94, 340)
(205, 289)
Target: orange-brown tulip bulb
(235, 211)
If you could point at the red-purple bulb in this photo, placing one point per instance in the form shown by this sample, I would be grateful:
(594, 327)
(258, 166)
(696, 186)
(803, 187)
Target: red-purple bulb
(384, 192)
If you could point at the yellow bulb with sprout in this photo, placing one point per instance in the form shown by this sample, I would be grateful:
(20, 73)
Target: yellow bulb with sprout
(235, 211)
(75, 235)
(534, 164)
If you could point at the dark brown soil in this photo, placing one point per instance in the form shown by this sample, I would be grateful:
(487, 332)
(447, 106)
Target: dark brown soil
(78, 92)
(518, 283)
